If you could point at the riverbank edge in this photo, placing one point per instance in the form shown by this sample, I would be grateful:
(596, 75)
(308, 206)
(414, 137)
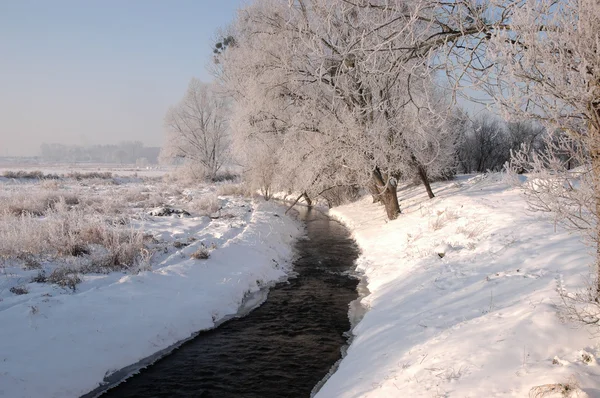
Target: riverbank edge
(250, 302)
(439, 294)
(241, 272)
(356, 312)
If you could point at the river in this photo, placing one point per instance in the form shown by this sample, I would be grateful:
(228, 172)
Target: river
(283, 348)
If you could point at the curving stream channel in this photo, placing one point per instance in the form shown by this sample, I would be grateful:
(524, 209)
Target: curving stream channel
(285, 347)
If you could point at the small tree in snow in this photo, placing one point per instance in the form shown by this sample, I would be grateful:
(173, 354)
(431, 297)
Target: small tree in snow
(197, 129)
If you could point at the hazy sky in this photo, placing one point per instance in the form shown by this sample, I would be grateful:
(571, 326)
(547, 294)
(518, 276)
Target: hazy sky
(100, 71)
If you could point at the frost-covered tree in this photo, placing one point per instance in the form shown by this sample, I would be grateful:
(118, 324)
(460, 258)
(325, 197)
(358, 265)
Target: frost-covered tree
(324, 78)
(198, 129)
(345, 88)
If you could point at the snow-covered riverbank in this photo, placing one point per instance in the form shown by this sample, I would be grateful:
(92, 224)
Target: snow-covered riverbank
(56, 343)
(463, 298)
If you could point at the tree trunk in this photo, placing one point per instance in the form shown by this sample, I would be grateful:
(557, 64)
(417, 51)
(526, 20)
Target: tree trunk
(387, 193)
(374, 192)
(302, 195)
(307, 199)
(595, 154)
(425, 180)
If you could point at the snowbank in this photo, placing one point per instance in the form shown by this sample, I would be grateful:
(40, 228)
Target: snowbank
(54, 343)
(463, 298)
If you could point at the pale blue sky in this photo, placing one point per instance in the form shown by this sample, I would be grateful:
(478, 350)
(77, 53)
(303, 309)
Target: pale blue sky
(99, 71)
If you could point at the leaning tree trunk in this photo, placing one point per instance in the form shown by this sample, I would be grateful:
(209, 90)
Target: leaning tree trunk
(302, 195)
(388, 194)
(425, 180)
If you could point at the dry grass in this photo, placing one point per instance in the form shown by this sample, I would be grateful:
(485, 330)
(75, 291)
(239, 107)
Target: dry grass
(34, 202)
(233, 189)
(472, 229)
(143, 197)
(39, 175)
(442, 218)
(79, 176)
(205, 205)
(28, 175)
(67, 228)
(67, 234)
(52, 185)
(38, 199)
(438, 223)
(451, 215)
(569, 389)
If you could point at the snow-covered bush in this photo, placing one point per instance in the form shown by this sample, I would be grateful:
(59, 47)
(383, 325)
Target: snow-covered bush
(19, 290)
(201, 254)
(64, 277)
(225, 175)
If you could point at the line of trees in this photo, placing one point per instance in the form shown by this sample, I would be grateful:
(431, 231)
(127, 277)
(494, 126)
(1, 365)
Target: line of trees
(487, 142)
(332, 92)
(126, 152)
(345, 93)
(321, 100)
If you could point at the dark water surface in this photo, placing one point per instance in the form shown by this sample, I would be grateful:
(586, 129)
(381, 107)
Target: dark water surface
(281, 349)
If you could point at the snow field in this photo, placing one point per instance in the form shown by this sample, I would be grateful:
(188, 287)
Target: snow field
(58, 343)
(463, 298)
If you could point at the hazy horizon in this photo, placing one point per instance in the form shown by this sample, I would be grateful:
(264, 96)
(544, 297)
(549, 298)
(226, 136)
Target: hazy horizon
(99, 72)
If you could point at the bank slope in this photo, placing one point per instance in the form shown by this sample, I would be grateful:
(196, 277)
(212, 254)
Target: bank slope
(463, 298)
(62, 344)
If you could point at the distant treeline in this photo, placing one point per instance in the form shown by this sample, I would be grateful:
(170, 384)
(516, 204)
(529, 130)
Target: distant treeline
(127, 152)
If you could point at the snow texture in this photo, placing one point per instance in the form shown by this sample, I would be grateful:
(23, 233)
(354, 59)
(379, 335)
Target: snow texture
(58, 343)
(479, 321)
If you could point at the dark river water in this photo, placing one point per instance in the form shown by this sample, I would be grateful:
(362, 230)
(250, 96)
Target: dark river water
(281, 349)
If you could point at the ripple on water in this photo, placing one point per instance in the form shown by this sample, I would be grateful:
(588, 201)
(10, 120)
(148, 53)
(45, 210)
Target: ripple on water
(281, 349)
